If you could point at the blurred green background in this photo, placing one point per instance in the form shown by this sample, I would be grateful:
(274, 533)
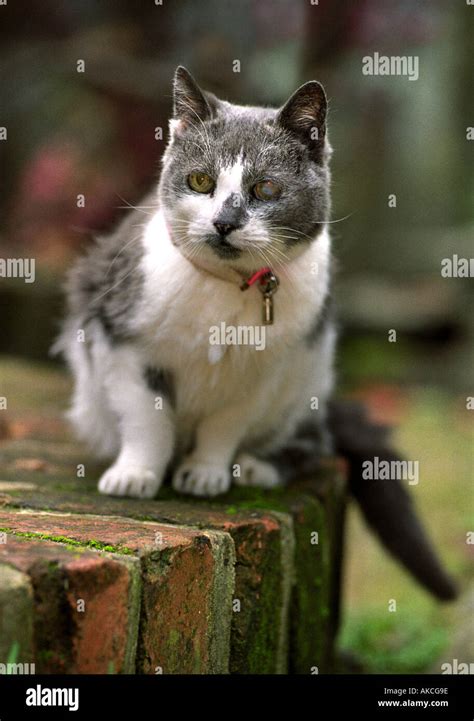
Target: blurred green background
(93, 133)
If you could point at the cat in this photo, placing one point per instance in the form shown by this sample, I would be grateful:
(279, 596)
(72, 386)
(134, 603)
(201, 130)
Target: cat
(241, 189)
(235, 236)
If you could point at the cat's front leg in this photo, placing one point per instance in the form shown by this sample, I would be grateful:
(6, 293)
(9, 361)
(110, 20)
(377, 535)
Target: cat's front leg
(206, 471)
(142, 402)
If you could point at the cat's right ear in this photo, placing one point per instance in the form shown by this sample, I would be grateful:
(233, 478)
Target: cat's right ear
(190, 105)
(304, 115)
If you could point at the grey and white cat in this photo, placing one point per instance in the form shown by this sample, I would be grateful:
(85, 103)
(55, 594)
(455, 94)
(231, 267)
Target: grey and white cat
(241, 189)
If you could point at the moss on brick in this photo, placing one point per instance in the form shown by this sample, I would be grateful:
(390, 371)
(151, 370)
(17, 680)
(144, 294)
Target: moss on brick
(220, 607)
(65, 540)
(54, 622)
(309, 608)
(134, 606)
(256, 627)
(185, 616)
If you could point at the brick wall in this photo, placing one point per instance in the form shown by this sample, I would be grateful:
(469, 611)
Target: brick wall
(90, 584)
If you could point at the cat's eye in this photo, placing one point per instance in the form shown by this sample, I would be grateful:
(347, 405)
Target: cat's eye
(266, 190)
(200, 182)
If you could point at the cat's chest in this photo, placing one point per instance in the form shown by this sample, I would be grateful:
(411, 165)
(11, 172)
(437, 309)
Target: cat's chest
(190, 319)
(204, 322)
(211, 319)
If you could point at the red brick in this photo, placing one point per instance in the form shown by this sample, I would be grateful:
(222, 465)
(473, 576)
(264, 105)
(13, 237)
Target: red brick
(66, 640)
(184, 628)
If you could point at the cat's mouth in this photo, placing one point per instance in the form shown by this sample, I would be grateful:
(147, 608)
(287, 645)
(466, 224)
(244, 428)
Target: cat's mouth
(222, 247)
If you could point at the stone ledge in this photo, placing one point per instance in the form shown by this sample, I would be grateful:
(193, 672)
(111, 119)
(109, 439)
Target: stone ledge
(184, 628)
(239, 584)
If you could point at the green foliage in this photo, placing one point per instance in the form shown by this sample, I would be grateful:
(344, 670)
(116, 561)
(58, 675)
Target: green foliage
(13, 652)
(401, 642)
(373, 358)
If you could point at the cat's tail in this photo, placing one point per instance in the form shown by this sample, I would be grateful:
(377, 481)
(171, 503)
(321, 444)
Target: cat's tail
(386, 504)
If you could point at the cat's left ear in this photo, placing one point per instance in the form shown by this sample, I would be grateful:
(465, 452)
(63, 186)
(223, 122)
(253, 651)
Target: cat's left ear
(304, 114)
(190, 104)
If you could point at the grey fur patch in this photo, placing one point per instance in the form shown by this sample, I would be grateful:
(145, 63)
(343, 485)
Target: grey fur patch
(301, 455)
(160, 382)
(106, 284)
(231, 214)
(322, 320)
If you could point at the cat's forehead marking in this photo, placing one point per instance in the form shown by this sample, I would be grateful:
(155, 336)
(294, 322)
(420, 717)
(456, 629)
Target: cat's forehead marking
(229, 180)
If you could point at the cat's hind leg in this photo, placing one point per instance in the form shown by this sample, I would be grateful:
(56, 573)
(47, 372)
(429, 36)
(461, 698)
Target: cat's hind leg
(90, 414)
(252, 471)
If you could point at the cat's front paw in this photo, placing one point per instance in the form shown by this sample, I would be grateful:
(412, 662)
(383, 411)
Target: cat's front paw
(129, 480)
(254, 472)
(201, 479)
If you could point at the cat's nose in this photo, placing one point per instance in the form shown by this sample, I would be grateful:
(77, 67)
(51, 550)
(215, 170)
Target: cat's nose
(224, 228)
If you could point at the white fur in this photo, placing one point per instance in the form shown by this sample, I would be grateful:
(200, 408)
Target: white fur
(243, 401)
(146, 427)
(238, 400)
(194, 215)
(254, 472)
(90, 412)
(229, 182)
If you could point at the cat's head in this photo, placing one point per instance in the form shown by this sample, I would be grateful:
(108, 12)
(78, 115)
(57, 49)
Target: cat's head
(245, 187)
